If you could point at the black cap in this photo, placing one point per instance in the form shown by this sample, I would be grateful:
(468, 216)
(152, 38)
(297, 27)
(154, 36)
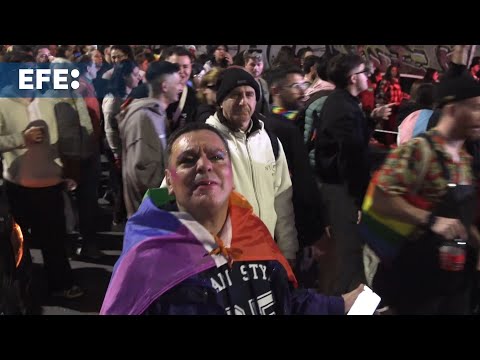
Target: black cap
(233, 77)
(456, 88)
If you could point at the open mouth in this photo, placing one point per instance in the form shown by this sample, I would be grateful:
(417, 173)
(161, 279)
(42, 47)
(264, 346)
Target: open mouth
(205, 184)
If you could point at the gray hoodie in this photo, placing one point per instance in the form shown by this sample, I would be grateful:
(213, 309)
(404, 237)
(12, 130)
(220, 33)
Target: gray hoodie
(143, 134)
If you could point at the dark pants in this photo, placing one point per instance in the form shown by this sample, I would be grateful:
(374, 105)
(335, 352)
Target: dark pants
(342, 216)
(86, 196)
(406, 300)
(116, 185)
(42, 211)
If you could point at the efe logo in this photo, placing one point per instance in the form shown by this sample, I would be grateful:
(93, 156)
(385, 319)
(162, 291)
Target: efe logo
(60, 79)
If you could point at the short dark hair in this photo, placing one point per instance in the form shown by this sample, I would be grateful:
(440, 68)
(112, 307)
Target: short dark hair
(191, 127)
(177, 50)
(309, 61)
(279, 75)
(340, 66)
(126, 49)
(38, 48)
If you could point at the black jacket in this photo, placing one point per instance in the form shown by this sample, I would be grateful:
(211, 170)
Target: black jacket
(306, 196)
(341, 146)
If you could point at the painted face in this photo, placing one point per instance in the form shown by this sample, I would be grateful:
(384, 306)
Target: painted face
(200, 172)
(238, 107)
(254, 67)
(185, 64)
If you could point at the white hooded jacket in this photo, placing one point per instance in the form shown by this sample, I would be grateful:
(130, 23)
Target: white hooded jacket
(264, 181)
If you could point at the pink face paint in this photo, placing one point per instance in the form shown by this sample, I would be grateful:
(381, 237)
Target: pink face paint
(173, 172)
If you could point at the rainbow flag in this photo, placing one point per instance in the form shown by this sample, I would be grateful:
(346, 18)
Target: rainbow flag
(384, 235)
(161, 249)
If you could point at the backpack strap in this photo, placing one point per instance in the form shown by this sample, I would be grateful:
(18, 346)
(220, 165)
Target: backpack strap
(440, 156)
(274, 142)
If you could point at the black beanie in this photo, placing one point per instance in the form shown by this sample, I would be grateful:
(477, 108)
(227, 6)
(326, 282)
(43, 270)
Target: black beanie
(456, 88)
(233, 77)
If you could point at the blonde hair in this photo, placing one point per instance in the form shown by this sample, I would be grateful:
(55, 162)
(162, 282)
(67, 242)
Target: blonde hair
(210, 77)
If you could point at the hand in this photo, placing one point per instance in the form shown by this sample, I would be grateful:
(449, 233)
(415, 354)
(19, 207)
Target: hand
(228, 58)
(350, 297)
(317, 252)
(382, 112)
(448, 228)
(70, 184)
(359, 216)
(33, 135)
(328, 231)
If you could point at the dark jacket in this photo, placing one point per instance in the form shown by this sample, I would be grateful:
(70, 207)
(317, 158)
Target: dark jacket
(197, 296)
(306, 196)
(204, 111)
(341, 147)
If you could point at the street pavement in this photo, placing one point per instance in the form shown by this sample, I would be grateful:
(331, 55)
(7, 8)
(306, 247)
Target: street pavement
(92, 275)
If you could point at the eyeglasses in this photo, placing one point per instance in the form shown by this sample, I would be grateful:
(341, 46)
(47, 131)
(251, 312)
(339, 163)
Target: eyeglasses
(367, 71)
(298, 86)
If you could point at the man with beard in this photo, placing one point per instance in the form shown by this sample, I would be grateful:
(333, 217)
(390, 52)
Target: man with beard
(427, 187)
(287, 87)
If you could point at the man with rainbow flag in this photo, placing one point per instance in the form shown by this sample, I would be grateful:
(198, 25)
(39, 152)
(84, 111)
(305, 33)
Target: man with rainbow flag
(419, 208)
(210, 254)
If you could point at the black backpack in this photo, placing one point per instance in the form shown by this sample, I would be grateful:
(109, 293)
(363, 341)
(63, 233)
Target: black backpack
(74, 142)
(73, 139)
(271, 135)
(274, 141)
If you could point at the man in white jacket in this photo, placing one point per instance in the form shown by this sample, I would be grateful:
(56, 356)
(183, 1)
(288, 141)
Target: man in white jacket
(259, 175)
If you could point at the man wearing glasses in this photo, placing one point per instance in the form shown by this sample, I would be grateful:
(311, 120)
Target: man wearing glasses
(342, 163)
(287, 87)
